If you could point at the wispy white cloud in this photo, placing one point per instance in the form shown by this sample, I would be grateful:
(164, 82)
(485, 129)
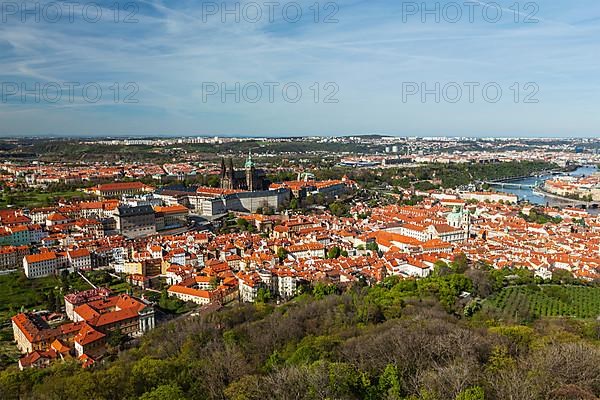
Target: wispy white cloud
(369, 53)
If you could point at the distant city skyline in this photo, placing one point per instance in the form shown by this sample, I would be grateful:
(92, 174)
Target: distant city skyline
(363, 67)
(123, 136)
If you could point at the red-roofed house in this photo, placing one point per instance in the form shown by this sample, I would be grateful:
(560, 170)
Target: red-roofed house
(79, 259)
(89, 341)
(40, 265)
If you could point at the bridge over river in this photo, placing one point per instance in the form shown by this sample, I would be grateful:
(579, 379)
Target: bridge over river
(512, 182)
(511, 185)
(530, 188)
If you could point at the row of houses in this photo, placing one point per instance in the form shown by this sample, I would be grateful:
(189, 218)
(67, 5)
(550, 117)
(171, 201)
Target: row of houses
(53, 263)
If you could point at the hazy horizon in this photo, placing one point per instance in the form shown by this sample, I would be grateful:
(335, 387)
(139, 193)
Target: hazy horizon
(249, 136)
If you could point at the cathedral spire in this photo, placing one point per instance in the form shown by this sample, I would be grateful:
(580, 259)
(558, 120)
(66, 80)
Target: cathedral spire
(231, 172)
(223, 169)
(249, 163)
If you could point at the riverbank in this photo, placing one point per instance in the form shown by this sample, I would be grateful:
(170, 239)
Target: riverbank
(540, 190)
(529, 193)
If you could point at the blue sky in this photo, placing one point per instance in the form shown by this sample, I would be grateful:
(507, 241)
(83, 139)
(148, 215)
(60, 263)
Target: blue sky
(367, 61)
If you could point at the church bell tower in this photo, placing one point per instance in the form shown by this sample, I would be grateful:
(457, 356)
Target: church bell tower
(250, 174)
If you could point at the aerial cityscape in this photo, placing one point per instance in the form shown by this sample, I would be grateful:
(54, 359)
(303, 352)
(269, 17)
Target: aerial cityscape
(299, 200)
(114, 248)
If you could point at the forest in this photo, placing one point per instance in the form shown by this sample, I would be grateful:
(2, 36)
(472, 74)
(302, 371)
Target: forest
(400, 339)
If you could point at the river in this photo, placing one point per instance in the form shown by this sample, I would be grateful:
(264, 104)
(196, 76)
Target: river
(527, 193)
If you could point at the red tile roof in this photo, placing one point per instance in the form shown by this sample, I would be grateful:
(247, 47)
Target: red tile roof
(34, 258)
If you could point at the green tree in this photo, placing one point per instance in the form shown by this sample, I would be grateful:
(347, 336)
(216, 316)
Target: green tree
(339, 209)
(500, 361)
(116, 338)
(562, 276)
(282, 253)
(274, 360)
(373, 246)
(334, 252)
(149, 372)
(440, 268)
(51, 300)
(459, 264)
(64, 281)
(389, 385)
(321, 290)
(213, 181)
(245, 388)
(448, 288)
(263, 295)
(472, 393)
(242, 224)
(164, 392)
(294, 203)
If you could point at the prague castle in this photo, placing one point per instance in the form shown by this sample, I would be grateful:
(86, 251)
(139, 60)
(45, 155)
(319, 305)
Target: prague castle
(251, 179)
